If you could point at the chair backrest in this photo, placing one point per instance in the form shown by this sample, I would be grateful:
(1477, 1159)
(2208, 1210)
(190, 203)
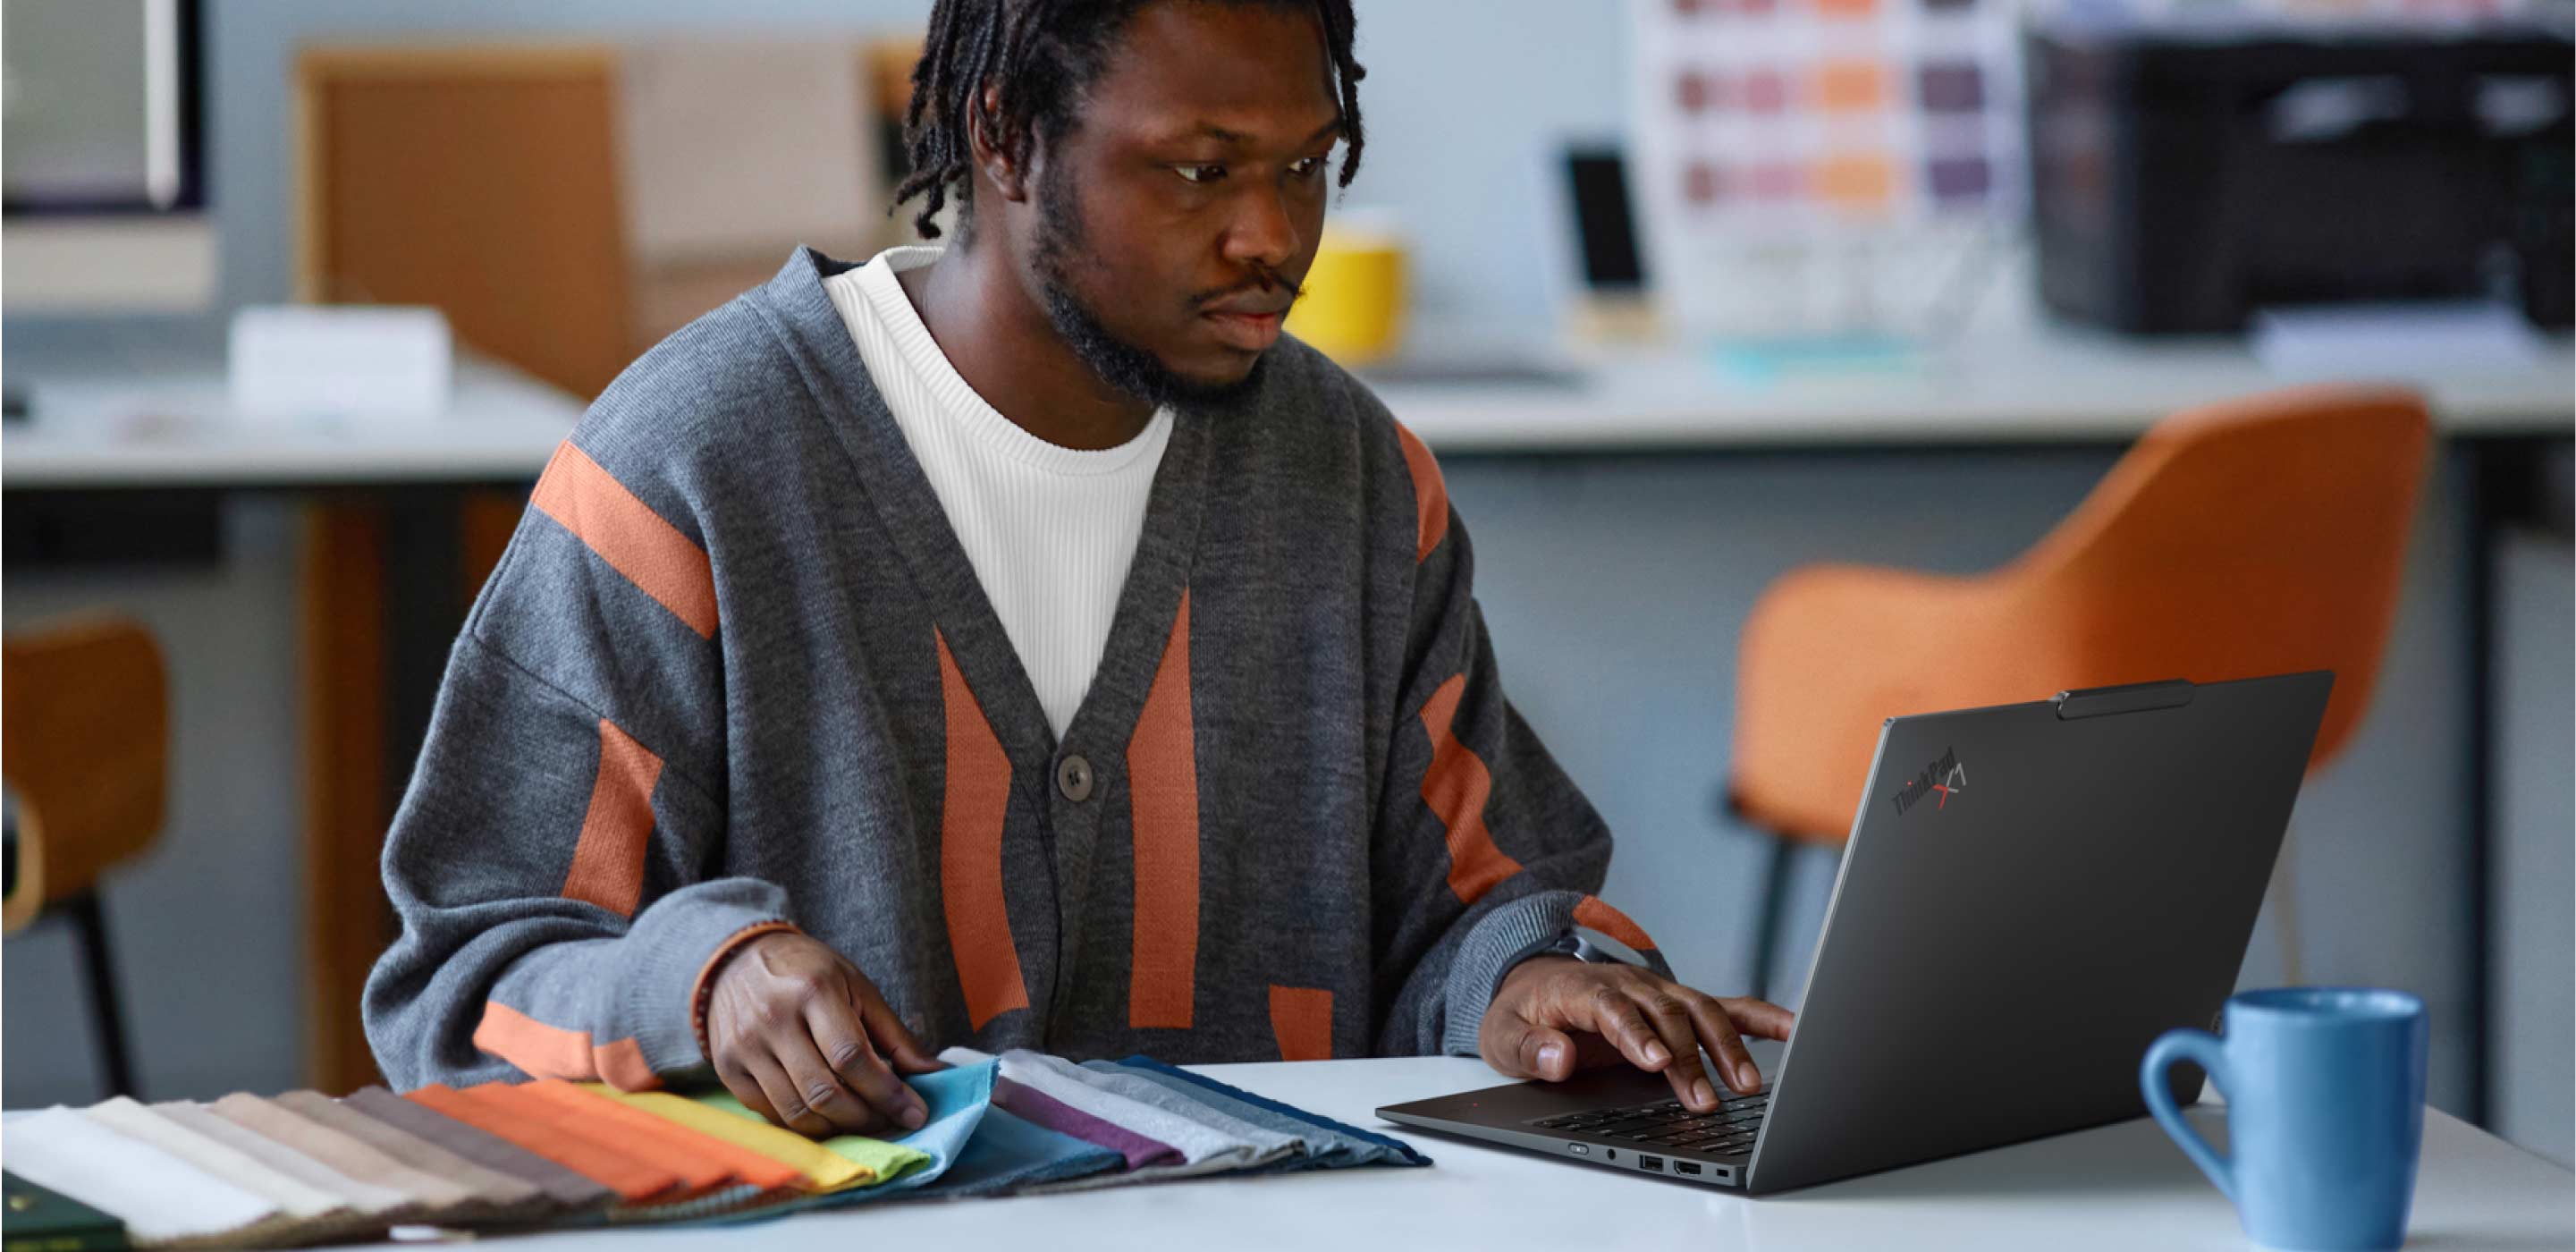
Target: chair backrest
(2260, 536)
(2255, 537)
(84, 745)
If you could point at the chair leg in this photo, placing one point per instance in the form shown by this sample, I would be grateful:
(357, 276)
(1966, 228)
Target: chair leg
(107, 1015)
(1766, 930)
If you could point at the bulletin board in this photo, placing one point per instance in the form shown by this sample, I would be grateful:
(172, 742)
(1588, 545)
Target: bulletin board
(1824, 167)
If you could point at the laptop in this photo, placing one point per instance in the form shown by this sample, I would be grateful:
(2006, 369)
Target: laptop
(2032, 893)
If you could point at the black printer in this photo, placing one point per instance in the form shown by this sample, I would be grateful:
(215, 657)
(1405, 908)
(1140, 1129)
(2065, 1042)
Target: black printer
(2185, 175)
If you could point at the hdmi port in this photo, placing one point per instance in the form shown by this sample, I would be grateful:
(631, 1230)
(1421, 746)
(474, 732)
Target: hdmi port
(1685, 1167)
(1655, 1163)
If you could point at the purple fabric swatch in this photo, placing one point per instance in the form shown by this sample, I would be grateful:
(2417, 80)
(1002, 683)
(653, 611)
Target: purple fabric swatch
(1056, 1115)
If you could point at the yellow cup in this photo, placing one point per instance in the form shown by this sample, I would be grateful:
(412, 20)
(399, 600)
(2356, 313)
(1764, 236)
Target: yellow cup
(1353, 309)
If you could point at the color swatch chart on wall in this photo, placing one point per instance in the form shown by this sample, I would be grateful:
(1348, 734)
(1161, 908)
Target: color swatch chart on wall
(1844, 150)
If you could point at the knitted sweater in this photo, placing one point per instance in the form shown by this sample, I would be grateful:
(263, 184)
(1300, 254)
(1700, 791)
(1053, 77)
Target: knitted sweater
(734, 673)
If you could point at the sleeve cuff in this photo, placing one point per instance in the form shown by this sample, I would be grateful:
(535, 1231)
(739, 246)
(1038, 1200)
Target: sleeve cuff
(676, 943)
(1499, 940)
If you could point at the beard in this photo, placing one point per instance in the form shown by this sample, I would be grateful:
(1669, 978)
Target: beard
(1122, 365)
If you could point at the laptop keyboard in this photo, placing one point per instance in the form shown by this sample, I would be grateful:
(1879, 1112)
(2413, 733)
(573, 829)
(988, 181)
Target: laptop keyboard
(1670, 1126)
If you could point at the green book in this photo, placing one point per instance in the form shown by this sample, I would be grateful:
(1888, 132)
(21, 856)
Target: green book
(33, 1219)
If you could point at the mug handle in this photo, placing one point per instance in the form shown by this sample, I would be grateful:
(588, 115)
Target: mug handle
(2209, 1052)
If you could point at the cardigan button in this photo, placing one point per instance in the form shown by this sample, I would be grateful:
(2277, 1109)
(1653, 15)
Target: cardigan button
(1073, 778)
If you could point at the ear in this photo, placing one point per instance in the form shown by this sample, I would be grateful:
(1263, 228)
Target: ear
(997, 166)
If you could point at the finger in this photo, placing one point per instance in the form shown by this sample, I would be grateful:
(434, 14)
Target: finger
(1759, 1018)
(1523, 1049)
(1617, 1018)
(845, 1049)
(1725, 1042)
(1671, 1020)
(745, 1087)
(779, 1093)
(892, 1038)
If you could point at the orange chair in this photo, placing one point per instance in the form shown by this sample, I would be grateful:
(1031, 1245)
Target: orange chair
(85, 749)
(2255, 537)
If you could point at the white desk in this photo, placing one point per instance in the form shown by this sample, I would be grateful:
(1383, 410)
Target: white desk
(177, 430)
(2122, 1186)
(2038, 384)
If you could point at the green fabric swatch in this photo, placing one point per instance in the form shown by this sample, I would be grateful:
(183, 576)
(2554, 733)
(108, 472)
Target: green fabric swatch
(890, 1160)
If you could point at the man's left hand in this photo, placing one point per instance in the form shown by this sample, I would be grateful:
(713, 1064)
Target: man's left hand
(1554, 1015)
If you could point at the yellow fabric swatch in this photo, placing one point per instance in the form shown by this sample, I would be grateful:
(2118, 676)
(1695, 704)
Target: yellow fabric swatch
(825, 1168)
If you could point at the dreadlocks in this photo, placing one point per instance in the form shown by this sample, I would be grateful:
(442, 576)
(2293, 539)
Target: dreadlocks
(1041, 54)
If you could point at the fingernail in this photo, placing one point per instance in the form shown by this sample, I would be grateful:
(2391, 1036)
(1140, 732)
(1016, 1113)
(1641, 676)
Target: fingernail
(1551, 1054)
(1749, 1077)
(913, 1117)
(1704, 1093)
(1655, 1053)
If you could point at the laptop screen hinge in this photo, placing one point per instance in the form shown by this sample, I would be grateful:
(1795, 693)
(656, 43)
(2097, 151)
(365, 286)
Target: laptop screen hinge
(2172, 693)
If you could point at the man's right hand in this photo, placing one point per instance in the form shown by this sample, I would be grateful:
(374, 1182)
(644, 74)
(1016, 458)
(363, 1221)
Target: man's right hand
(801, 1037)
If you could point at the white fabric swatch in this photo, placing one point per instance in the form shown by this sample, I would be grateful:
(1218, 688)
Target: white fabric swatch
(296, 1199)
(162, 1200)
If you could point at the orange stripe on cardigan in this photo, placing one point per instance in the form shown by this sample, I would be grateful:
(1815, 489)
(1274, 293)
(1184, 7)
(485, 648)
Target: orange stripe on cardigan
(1163, 792)
(629, 535)
(543, 1051)
(1592, 912)
(1430, 494)
(1302, 1019)
(608, 862)
(977, 801)
(1456, 787)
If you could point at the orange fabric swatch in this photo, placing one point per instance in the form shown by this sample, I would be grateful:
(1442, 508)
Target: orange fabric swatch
(704, 1162)
(490, 1109)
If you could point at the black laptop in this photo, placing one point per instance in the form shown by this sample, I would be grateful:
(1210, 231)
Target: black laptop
(2032, 893)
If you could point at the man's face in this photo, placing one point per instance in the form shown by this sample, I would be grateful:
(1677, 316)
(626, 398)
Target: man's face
(1172, 222)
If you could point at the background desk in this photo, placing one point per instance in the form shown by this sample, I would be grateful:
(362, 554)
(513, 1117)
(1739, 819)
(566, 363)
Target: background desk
(2114, 1187)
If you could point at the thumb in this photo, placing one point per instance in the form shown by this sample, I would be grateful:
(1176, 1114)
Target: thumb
(1520, 1048)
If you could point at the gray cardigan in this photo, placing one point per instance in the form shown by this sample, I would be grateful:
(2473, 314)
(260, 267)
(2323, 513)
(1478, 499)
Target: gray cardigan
(734, 673)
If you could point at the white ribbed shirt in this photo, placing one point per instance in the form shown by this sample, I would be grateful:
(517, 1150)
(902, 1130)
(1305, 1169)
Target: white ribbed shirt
(1050, 530)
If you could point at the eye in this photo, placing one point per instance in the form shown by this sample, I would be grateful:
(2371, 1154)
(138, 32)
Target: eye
(1201, 175)
(1309, 167)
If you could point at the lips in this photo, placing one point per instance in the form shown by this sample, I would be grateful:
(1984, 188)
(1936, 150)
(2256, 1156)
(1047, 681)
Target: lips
(1248, 331)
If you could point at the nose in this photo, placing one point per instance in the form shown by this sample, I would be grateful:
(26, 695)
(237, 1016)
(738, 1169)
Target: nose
(1263, 233)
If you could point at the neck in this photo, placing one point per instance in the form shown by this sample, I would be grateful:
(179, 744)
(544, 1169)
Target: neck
(1002, 344)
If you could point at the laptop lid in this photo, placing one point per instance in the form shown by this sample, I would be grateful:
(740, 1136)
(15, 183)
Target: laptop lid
(2031, 894)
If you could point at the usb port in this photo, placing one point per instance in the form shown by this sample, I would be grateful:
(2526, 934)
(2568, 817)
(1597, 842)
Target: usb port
(1686, 1167)
(1655, 1163)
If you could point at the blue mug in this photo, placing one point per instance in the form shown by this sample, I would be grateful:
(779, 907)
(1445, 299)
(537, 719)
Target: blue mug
(2325, 1112)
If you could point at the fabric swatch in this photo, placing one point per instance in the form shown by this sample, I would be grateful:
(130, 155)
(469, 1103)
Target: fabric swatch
(1367, 1147)
(740, 1166)
(383, 1204)
(433, 1197)
(1064, 1119)
(297, 1200)
(625, 1179)
(820, 1169)
(1276, 1148)
(163, 1200)
(1008, 1153)
(1203, 1149)
(577, 1112)
(451, 1149)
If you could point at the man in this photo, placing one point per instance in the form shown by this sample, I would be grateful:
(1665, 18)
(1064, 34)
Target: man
(1017, 644)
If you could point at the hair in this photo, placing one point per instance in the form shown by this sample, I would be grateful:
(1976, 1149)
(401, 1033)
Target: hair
(1041, 54)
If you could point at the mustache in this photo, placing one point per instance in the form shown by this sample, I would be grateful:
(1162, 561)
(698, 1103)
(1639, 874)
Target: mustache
(1264, 281)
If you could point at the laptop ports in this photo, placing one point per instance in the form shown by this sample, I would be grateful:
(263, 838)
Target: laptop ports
(1655, 1163)
(1686, 1167)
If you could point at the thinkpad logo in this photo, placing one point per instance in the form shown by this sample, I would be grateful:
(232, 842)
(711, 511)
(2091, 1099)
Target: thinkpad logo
(1941, 779)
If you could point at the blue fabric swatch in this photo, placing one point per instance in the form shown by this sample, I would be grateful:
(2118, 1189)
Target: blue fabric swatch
(958, 1099)
(1008, 1152)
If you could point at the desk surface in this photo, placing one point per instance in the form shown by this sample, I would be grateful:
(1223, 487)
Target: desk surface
(2122, 1186)
(2043, 384)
